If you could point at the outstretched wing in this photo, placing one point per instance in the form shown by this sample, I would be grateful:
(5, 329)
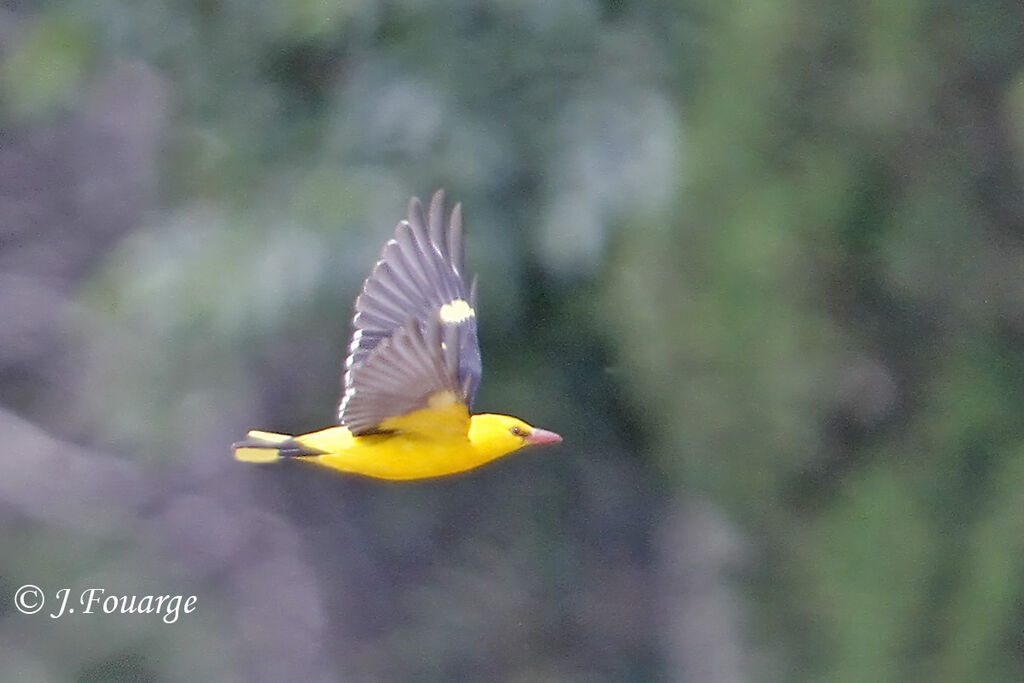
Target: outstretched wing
(415, 295)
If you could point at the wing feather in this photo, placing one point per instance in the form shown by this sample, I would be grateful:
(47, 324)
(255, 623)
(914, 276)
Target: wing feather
(456, 249)
(415, 310)
(401, 376)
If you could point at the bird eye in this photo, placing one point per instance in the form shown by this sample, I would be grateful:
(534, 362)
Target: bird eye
(516, 431)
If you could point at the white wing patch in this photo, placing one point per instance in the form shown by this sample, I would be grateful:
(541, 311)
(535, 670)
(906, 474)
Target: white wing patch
(456, 311)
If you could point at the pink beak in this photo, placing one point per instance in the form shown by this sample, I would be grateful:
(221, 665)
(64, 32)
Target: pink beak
(542, 436)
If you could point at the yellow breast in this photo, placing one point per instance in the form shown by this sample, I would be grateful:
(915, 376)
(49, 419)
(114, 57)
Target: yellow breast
(392, 456)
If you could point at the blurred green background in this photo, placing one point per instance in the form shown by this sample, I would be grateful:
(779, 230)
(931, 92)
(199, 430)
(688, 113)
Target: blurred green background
(761, 264)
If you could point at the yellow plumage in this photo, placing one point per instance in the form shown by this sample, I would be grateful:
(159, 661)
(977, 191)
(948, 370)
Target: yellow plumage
(415, 452)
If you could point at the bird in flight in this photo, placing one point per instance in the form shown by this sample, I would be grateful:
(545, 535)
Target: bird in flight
(412, 370)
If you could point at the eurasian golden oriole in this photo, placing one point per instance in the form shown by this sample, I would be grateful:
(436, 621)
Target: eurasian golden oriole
(412, 370)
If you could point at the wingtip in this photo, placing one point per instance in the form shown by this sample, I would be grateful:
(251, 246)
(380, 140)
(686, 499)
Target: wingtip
(435, 219)
(416, 217)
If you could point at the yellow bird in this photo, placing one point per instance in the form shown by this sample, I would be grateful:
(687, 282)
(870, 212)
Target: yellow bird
(412, 370)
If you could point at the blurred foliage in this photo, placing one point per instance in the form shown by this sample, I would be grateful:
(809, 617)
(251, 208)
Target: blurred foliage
(847, 267)
(760, 264)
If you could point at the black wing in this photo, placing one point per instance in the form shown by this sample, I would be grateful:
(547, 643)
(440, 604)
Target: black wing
(418, 281)
(413, 369)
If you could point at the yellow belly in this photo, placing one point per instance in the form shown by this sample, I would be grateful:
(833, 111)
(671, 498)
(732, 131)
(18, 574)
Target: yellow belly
(388, 456)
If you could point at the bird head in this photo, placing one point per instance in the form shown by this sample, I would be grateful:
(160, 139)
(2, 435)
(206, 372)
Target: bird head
(502, 434)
